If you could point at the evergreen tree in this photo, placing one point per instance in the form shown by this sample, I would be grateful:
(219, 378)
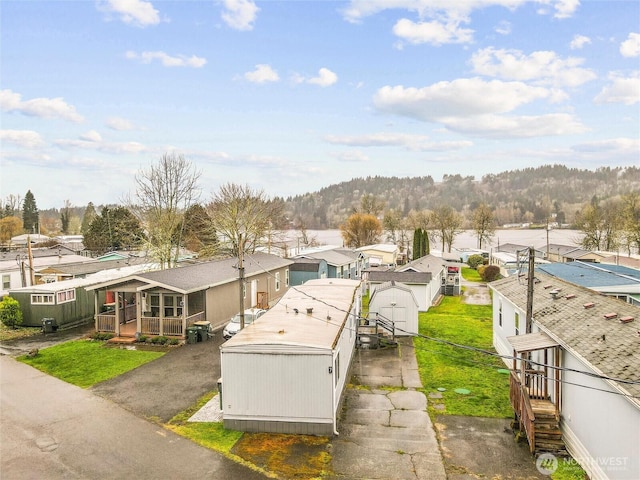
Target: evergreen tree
(115, 229)
(420, 243)
(65, 217)
(30, 215)
(87, 218)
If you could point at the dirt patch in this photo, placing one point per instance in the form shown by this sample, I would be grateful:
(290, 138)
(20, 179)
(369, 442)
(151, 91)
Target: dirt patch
(288, 456)
(476, 294)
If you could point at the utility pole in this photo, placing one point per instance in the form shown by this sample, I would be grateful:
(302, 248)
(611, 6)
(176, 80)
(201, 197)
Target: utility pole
(530, 284)
(241, 278)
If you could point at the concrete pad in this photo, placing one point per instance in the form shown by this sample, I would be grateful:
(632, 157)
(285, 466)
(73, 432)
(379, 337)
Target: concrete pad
(354, 461)
(410, 418)
(368, 401)
(367, 417)
(483, 447)
(408, 400)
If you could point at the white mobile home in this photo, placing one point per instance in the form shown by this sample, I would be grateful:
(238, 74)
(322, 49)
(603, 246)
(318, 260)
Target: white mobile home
(577, 366)
(286, 372)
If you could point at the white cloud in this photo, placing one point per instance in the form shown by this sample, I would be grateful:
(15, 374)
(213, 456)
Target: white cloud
(325, 78)
(631, 46)
(120, 124)
(167, 60)
(624, 90)
(91, 136)
(240, 14)
(135, 12)
(263, 73)
(499, 126)
(408, 141)
(458, 98)
(452, 9)
(543, 67)
(350, 156)
(22, 138)
(434, 32)
(578, 42)
(39, 107)
(614, 145)
(565, 8)
(503, 28)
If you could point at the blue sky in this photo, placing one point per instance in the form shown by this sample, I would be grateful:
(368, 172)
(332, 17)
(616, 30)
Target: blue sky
(292, 96)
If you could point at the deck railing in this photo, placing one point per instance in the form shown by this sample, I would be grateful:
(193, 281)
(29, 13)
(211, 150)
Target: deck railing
(106, 323)
(171, 326)
(521, 404)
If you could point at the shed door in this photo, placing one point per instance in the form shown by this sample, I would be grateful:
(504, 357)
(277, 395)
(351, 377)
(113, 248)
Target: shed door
(398, 315)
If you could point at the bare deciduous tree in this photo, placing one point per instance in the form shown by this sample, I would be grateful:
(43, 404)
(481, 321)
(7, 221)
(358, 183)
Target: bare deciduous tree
(483, 223)
(446, 223)
(243, 218)
(164, 192)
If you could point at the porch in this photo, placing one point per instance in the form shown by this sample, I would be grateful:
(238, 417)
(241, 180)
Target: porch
(167, 326)
(534, 391)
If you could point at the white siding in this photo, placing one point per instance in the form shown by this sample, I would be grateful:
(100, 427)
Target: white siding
(601, 429)
(277, 386)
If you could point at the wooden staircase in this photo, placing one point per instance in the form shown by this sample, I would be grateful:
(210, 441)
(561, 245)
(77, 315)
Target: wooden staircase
(547, 433)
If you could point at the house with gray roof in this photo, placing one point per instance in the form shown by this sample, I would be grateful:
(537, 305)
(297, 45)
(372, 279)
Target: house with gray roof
(166, 302)
(569, 253)
(341, 262)
(304, 269)
(574, 370)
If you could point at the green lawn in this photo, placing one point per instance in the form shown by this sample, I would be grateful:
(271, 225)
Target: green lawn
(85, 362)
(471, 274)
(448, 367)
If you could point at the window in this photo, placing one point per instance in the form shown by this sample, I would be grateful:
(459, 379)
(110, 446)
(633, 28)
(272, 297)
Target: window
(66, 296)
(172, 305)
(277, 281)
(517, 323)
(286, 278)
(6, 282)
(500, 313)
(42, 299)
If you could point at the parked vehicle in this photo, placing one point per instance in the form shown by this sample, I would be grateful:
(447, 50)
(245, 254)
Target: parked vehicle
(233, 326)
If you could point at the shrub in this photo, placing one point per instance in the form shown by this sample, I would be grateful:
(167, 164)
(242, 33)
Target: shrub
(10, 312)
(174, 341)
(142, 339)
(490, 273)
(102, 336)
(474, 261)
(161, 340)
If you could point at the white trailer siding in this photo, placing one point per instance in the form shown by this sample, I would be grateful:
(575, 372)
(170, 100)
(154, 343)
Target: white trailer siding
(286, 372)
(290, 386)
(601, 430)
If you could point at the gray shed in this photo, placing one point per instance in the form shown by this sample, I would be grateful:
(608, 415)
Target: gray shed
(396, 302)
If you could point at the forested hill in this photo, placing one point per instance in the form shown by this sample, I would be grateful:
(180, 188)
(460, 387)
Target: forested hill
(516, 196)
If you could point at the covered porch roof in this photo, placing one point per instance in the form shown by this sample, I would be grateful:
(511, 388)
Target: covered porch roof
(530, 342)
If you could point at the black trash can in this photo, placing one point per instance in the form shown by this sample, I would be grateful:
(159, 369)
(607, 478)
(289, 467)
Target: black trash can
(49, 325)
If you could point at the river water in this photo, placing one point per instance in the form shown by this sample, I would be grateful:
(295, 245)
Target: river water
(526, 237)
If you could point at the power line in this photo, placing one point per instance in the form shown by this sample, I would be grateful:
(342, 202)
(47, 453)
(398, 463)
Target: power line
(477, 349)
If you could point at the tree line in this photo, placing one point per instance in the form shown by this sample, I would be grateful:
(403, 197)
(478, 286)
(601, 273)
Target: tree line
(166, 214)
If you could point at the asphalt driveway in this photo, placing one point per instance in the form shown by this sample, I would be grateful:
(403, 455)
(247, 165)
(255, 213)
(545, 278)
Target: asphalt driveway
(161, 389)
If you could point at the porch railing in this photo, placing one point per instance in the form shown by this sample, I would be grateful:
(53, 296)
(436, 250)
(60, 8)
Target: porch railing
(521, 404)
(106, 323)
(171, 326)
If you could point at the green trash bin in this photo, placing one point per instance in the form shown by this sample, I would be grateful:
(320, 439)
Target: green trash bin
(204, 330)
(192, 335)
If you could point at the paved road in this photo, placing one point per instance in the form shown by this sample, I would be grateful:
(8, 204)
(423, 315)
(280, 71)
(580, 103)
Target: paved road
(51, 429)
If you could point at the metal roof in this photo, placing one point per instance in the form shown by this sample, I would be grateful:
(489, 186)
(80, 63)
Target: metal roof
(283, 328)
(591, 276)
